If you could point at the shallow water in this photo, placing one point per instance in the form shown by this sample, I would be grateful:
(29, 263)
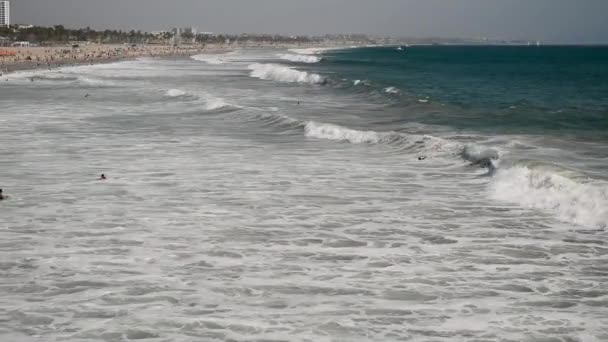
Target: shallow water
(250, 203)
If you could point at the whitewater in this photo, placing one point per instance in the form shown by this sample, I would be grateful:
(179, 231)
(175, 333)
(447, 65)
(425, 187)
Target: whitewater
(264, 196)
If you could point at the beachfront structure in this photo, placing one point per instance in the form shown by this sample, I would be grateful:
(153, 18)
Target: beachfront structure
(5, 13)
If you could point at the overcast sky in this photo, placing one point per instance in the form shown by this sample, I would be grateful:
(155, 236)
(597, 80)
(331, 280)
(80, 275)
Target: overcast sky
(582, 21)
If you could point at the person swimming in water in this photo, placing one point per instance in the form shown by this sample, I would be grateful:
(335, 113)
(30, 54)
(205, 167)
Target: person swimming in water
(103, 177)
(2, 196)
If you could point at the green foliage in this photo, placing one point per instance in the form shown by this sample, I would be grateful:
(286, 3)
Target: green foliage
(59, 34)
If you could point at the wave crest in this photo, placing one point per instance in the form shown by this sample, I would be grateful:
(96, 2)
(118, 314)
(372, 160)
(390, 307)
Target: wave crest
(209, 102)
(216, 103)
(584, 204)
(300, 58)
(281, 73)
(176, 92)
(392, 90)
(426, 144)
(209, 59)
(478, 155)
(335, 132)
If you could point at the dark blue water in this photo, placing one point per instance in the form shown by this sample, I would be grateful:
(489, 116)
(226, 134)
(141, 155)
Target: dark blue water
(501, 89)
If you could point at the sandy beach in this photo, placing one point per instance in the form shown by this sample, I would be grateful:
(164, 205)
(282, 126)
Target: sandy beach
(26, 58)
(48, 57)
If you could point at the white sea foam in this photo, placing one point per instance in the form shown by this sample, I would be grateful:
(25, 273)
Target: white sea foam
(216, 103)
(319, 50)
(176, 92)
(94, 81)
(391, 90)
(210, 102)
(479, 154)
(335, 132)
(218, 197)
(281, 73)
(300, 58)
(310, 51)
(357, 82)
(571, 201)
(57, 76)
(209, 59)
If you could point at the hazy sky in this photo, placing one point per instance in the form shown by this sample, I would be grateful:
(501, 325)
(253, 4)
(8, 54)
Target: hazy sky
(546, 20)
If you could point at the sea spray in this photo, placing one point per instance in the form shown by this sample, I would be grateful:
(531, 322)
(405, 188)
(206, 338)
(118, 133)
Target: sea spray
(300, 58)
(281, 73)
(571, 201)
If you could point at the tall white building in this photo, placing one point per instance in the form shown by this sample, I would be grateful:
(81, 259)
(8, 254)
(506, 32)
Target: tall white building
(5, 13)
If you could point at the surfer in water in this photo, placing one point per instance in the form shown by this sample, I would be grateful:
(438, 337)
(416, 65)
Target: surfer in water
(103, 177)
(2, 197)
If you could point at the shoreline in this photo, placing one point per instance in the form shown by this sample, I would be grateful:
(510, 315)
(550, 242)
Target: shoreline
(48, 58)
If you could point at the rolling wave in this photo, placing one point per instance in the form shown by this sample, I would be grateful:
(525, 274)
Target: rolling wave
(176, 92)
(300, 58)
(310, 51)
(339, 133)
(391, 90)
(569, 200)
(426, 145)
(209, 102)
(45, 76)
(481, 156)
(281, 73)
(209, 59)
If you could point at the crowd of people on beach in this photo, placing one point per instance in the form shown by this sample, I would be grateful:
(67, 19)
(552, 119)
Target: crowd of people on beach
(52, 57)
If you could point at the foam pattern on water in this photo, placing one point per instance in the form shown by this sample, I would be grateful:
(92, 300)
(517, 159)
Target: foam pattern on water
(288, 219)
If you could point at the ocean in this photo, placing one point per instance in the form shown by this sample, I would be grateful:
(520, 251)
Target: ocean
(415, 193)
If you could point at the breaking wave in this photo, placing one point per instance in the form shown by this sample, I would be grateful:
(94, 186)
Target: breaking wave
(58, 77)
(481, 156)
(571, 201)
(209, 102)
(300, 58)
(426, 144)
(391, 90)
(94, 81)
(209, 59)
(281, 73)
(310, 51)
(176, 92)
(335, 132)
(217, 103)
